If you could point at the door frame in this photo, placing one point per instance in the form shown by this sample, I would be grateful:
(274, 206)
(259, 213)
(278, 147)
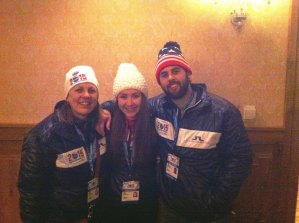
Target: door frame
(289, 185)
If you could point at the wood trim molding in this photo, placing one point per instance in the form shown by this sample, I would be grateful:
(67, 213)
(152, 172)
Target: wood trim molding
(11, 139)
(15, 132)
(266, 135)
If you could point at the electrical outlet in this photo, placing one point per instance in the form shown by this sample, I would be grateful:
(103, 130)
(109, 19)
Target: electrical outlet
(249, 112)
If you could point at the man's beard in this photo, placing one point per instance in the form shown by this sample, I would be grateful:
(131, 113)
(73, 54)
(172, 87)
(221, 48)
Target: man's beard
(183, 89)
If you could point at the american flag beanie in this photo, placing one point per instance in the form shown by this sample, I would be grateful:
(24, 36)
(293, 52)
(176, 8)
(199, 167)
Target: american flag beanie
(171, 55)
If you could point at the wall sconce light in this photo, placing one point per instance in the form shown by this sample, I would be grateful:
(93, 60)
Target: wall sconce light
(238, 17)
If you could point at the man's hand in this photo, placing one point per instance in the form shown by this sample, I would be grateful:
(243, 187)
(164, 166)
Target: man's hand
(105, 121)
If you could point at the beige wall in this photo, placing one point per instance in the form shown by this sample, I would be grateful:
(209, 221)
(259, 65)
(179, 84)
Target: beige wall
(41, 40)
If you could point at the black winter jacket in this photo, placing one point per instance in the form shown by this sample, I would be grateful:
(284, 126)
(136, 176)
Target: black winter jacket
(52, 181)
(214, 151)
(145, 210)
(145, 174)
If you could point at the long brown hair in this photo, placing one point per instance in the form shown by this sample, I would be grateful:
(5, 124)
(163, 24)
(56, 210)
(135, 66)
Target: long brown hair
(144, 134)
(66, 115)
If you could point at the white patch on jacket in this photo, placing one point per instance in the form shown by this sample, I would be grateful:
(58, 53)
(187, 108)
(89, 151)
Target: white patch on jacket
(71, 158)
(197, 139)
(164, 129)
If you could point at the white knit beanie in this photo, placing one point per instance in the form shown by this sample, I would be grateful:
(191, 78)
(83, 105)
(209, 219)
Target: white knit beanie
(128, 77)
(78, 75)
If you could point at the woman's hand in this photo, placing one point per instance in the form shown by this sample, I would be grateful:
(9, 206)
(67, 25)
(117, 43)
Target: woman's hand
(105, 121)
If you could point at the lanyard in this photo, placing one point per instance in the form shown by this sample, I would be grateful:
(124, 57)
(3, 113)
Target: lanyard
(128, 156)
(176, 123)
(127, 145)
(91, 150)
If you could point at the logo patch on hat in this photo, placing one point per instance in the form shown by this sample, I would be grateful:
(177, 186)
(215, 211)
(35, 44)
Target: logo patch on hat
(77, 77)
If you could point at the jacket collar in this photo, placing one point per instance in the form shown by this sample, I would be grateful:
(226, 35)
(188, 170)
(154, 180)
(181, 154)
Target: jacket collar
(68, 132)
(202, 96)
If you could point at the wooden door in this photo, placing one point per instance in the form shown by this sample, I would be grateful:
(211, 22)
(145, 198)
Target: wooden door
(258, 200)
(11, 138)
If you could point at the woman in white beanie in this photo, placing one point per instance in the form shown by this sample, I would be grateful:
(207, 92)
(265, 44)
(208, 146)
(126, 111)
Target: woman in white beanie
(131, 142)
(61, 159)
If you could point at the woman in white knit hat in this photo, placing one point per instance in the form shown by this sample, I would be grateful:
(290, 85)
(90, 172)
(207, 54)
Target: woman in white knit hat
(58, 179)
(133, 191)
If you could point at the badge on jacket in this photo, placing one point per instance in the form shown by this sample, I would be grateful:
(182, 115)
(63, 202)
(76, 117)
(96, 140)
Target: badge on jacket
(71, 158)
(130, 191)
(172, 166)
